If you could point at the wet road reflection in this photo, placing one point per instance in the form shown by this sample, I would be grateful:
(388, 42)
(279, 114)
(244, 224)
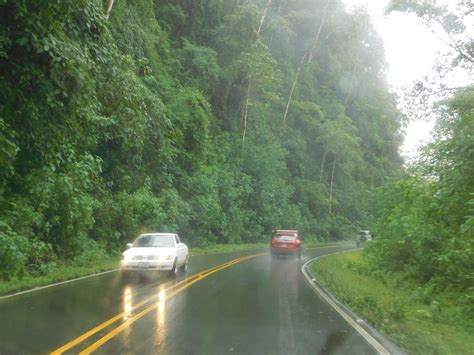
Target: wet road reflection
(258, 306)
(334, 342)
(161, 329)
(127, 302)
(127, 311)
(286, 268)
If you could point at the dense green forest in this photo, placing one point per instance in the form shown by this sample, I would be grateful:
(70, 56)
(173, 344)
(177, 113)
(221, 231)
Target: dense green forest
(425, 219)
(221, 120)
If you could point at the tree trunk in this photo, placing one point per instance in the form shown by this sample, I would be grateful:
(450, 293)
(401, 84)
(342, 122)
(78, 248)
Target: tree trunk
(349, 91)
(262, 19)
(293, 85)
(247, 99)
(332, 183)
(323, 162)
(109, 9)
(246, 111)
(310, 57)
(273, 33)
(316, 39)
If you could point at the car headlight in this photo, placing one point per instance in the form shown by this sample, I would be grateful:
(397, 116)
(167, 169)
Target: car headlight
(168, 257)
(126, 258)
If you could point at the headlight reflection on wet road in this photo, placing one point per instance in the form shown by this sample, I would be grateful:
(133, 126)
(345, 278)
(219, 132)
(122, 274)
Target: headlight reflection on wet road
(127, 313)
(161, 330)
(127, 302)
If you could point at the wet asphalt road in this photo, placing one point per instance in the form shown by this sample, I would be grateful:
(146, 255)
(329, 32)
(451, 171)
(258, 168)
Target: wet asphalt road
(256, 306)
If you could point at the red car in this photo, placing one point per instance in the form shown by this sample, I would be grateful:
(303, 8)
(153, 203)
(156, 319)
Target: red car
(286, 242)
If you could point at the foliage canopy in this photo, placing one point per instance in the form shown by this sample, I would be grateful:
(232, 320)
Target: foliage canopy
(112, 126)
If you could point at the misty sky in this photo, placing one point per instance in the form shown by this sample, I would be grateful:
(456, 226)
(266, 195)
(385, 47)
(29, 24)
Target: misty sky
(410, 51)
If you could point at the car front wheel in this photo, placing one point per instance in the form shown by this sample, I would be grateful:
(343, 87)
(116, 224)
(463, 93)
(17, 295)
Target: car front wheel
(184, 267)
(125, 275)
(174, 270)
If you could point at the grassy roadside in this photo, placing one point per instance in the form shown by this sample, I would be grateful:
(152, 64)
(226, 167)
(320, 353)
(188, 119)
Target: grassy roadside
(413, 325)
(57, 275)
(226, 248)
(230, 248)
(70, 272)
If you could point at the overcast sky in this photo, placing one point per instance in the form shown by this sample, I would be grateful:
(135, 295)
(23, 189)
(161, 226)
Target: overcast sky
(410, 51)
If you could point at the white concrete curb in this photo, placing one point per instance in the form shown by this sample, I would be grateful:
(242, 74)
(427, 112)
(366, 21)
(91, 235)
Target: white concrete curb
(351, 318)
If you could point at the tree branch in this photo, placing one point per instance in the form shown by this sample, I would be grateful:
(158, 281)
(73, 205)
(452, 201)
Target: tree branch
(109, 9)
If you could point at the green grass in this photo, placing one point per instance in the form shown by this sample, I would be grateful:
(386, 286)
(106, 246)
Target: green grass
(69, 272)
(393, 310)
(226, 248)
(62, 273)
(230, 248)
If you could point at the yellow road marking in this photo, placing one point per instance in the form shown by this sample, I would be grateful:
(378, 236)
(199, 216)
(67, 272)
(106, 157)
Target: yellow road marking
(124, 325)
(112, 320)
(195, 278)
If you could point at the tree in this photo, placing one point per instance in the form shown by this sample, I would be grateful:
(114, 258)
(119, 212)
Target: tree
(340, 142)
(122, 117)
(451, 26)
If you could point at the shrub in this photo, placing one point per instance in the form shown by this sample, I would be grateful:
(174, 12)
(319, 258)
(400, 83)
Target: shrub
(13, 248)
(91, 253)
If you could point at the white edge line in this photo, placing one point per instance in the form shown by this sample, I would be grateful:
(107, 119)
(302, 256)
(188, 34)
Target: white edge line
(67, 281)
(58, 283)
(369, 338)
(61, 283)
(105, 272)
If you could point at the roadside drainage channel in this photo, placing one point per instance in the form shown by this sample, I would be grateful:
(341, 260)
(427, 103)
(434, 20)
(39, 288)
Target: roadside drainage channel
(377, 340)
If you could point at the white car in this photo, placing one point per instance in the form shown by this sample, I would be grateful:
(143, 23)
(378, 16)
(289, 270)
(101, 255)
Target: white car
(363, 237)
(155, 252)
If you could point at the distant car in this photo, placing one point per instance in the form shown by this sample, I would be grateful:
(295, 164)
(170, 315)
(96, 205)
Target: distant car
(286, 242)
(362, 237)
(155, 252)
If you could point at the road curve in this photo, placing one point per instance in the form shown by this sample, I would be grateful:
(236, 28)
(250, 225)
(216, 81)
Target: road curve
(240, 303)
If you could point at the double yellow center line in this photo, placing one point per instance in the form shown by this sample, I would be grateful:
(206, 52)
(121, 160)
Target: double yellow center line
(177, 288)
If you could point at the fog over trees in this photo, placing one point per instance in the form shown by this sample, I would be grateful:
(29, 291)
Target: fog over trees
(221, 120)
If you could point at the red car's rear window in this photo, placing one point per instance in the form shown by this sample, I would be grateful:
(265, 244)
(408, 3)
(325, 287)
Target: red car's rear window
(285, 238)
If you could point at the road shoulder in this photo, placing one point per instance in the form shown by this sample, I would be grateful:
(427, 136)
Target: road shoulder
(377, 340)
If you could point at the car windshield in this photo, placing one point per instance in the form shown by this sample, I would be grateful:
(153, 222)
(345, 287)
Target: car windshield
(154, 241)
(285, 238)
